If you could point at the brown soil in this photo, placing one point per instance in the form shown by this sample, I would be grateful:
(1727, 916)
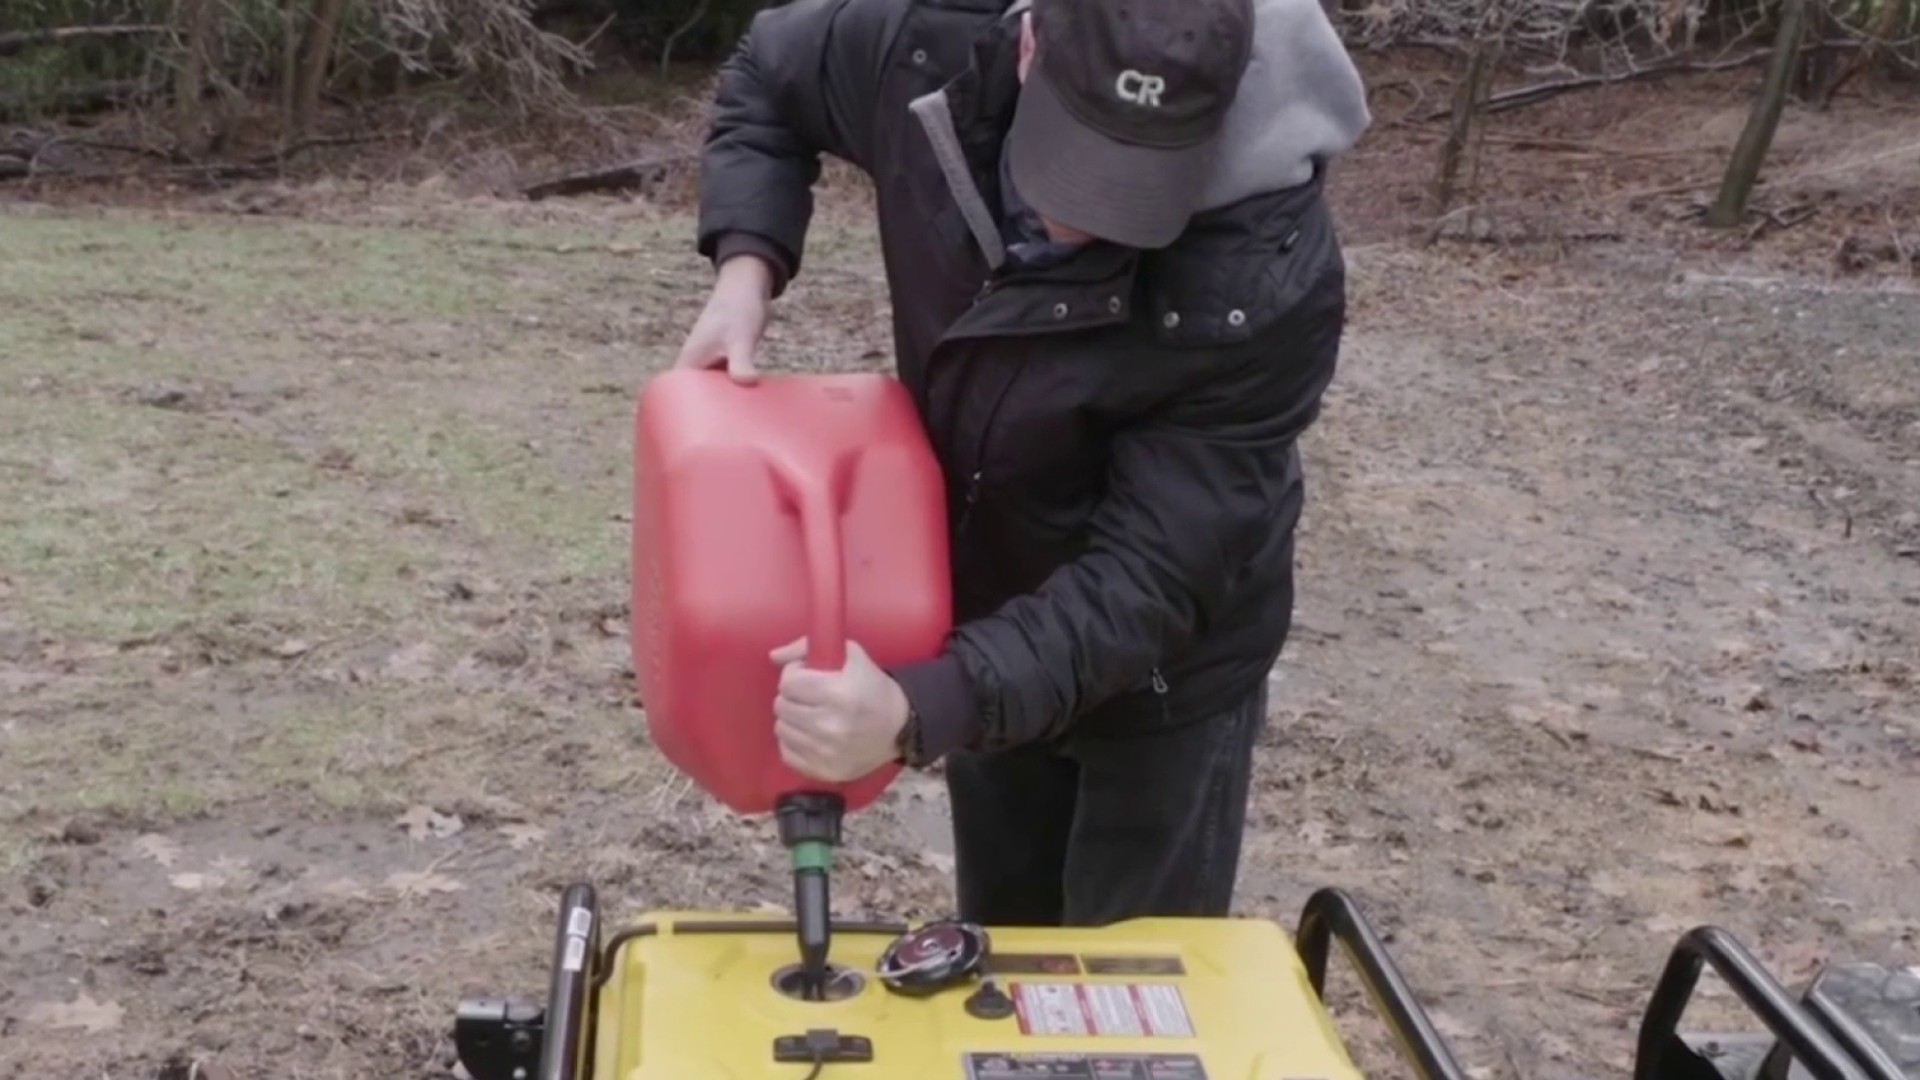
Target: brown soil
(313, 686)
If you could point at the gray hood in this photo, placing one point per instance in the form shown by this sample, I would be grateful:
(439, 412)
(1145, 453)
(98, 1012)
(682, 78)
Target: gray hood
(1300, 102)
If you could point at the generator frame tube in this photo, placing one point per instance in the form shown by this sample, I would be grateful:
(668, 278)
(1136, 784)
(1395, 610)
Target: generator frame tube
(566, 1049)
(1661, 1055)
(1331, 915)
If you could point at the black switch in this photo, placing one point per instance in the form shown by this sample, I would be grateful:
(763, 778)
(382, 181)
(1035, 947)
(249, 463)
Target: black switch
(989, 1003)
(825, 1045)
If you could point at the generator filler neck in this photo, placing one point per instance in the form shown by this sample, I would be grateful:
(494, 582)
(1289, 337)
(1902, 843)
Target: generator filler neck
(810, 830)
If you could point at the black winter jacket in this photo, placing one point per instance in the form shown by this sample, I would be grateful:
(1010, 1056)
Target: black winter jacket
(1118, 432)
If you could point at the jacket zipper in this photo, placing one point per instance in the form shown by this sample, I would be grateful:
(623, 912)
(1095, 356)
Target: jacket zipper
(980, 453)
(1159, 683)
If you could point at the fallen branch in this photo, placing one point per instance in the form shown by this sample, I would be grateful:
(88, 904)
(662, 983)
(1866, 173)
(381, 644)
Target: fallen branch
(77, 100)
(172, 156)
(626, 176)
(259, 167)
(1464, 225)
(21, 40)
(1533, 95)
(1681, 187)
(1567, 146)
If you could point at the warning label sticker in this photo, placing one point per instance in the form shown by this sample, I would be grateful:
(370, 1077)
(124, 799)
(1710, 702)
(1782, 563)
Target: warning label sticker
(1103, 1010)
(1085, 1067)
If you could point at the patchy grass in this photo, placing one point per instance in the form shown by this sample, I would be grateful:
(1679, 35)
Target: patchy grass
(304, 524)
(215, 390)
(295, 482)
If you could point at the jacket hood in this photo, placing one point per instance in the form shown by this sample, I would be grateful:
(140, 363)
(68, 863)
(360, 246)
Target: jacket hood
(1300, 104)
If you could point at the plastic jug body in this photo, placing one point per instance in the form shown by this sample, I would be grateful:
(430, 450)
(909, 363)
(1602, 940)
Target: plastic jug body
(805, 505)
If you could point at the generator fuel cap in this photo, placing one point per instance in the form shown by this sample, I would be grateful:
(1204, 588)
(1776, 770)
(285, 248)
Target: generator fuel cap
(934, 957)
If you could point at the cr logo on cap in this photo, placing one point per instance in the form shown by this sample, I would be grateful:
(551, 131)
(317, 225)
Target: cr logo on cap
(1139, 89)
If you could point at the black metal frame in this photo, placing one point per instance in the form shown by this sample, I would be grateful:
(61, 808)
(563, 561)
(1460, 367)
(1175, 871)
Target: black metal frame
(1331, 915)
(566, 1046)
(509, 1040)
(1847, 1032)
(1657, 1056)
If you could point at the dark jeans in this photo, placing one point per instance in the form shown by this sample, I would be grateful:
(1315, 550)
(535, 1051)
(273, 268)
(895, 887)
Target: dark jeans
(1096, 829)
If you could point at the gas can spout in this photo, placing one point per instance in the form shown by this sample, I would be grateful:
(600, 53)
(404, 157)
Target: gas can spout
(810, 829)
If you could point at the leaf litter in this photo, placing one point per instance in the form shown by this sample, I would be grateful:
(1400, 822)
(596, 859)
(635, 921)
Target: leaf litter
(221, 872)
(83, 1012)
(425, 823)
(161, 849)
(520, 835)
(416, 884)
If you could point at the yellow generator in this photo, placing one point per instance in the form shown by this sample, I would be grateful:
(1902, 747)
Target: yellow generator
(718, 996)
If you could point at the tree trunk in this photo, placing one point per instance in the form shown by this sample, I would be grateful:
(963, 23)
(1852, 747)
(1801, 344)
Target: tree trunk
(1468, 100)
(314, 61)
(190, 81)
(1743, 168)
(1880, 35)
(289, 64)
(1814, 68)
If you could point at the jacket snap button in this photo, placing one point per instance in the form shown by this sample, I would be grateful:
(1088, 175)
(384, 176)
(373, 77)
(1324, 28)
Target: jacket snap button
(1113, 304)
(1236, 317)
(920, 56)
(1059, 311)
(1171, 320)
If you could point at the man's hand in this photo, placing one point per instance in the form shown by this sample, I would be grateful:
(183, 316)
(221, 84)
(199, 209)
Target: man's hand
(836, 726)
(728, 331)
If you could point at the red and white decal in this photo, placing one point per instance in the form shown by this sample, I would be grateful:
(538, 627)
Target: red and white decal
(1102, 1010)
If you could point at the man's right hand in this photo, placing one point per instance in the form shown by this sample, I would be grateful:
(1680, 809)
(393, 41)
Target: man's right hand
(728, 331)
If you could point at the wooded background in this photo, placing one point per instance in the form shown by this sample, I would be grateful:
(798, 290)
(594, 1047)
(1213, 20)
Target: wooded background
(218, 73)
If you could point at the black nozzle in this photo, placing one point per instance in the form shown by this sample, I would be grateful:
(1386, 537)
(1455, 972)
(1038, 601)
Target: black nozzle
(810, 828)
(811, 912)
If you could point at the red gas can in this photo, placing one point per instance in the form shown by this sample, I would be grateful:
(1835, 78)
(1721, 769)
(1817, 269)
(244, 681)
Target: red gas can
(802, 505)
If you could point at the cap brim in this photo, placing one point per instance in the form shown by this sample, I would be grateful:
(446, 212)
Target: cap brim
(1139, 196)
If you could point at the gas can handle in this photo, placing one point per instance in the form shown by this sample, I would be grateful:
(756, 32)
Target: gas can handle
(817, 499)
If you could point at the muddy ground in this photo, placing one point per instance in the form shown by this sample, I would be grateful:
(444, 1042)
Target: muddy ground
(313, 685)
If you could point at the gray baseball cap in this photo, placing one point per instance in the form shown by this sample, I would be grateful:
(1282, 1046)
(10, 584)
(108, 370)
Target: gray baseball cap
(1120, 117)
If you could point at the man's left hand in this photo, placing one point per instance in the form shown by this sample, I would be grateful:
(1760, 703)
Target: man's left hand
(836, 726)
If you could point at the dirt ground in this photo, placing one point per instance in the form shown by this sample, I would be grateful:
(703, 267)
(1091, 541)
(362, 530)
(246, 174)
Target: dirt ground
(313, 684)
